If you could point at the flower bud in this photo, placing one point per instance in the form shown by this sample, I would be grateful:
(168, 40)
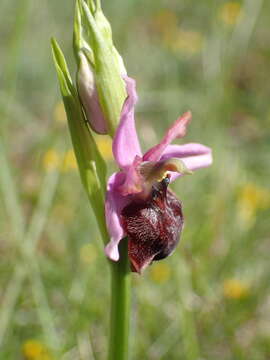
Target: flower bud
(89, 96)
(108, 65)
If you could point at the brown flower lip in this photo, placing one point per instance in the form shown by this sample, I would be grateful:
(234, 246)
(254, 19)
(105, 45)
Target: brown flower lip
(153, 227)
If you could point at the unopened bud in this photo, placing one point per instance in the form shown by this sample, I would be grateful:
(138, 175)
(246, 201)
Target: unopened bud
(89, 96)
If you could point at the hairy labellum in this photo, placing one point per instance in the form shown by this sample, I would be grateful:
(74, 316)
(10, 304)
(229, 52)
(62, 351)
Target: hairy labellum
(153, 226)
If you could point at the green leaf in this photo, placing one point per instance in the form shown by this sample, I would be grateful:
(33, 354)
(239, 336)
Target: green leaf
(91, 164)
(62, 69)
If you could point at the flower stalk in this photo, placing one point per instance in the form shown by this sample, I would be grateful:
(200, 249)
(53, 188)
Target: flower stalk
(120, 306)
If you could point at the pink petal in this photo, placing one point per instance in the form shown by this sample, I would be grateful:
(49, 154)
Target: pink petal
(195, 156)
(186, 150)
(125, 143)
(133, 183)
(114, 204)
(198, 162)
(177, 130)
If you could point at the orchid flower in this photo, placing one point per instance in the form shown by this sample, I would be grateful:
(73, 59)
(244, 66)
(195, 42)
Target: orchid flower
(140, 209)
(138, 204)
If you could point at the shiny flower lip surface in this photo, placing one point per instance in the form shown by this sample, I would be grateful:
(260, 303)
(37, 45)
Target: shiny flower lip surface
(153, 227)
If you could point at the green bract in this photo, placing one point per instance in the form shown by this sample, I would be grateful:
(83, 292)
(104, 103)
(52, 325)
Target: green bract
(91, 165)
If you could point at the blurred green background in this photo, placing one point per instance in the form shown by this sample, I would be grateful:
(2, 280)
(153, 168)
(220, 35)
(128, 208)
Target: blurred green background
(211, 298)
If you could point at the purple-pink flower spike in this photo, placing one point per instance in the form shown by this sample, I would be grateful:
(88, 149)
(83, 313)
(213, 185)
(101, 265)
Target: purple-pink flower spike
(137, 198)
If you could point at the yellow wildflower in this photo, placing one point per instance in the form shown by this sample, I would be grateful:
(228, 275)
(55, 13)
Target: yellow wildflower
(252, 198)
(35, 350)
(187, 41)
(70, 162)
(235, 289)
(164, 20)
(88, 254)
(59, 113)
(104, 144)
(51, 160)
(175, 38)
(160, 272)
(230, 12)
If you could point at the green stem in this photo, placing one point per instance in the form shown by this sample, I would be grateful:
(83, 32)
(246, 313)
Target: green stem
(120, 305)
